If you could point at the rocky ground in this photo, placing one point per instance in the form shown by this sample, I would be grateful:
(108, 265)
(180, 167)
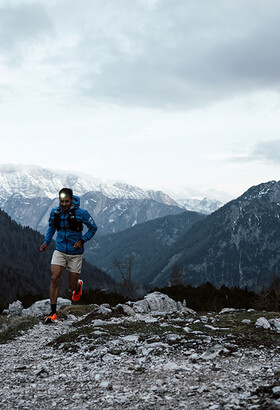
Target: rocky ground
(100, 358)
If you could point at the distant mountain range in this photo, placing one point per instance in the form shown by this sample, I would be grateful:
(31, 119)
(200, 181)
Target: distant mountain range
(205, 205)
(33, 182)
(28, 193)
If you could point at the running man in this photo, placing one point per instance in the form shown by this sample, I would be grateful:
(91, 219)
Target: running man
(67, 220)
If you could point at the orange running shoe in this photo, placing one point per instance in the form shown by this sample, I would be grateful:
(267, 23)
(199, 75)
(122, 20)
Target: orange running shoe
(51, 318)
(76, 296)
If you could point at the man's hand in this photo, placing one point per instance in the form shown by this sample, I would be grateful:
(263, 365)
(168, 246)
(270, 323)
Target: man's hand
(43, 247)
(78, 245)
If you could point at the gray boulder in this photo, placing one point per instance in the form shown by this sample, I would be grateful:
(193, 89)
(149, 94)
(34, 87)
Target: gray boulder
(43, 307)
(263, 322)
(14, 309)
(158, 302)
(124, 310)
(275, 323)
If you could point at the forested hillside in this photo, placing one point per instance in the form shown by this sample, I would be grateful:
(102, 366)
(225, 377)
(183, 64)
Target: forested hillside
(23, 268)
(145, 242)
(237, 245)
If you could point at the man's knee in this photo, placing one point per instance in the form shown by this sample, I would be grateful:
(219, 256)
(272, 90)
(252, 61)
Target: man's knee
(55, 280)
(56, 272)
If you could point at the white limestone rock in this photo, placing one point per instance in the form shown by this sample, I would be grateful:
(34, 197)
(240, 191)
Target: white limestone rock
(227, 310)
(263, 322)
(124, 309)
(160, 303)
(15, 308)
(212, 352)
(275, 323)
(43, 307)
(276, 390)
(104, 310)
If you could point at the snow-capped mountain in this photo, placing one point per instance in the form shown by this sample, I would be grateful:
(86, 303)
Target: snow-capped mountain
(32, 181)
(205, 205)
(28, 193)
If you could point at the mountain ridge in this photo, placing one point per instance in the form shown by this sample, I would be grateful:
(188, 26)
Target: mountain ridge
(28, 193)
(237, 245)
(34, 181)
(37, 181)
(145, 242)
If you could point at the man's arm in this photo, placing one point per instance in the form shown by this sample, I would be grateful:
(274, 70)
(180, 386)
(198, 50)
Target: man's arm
(50, 232)
(91, 225)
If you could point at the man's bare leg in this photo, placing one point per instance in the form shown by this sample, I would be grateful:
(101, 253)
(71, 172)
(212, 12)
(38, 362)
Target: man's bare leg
(56, 271)
(73, 281)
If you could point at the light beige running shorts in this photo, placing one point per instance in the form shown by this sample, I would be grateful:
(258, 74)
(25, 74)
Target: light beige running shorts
(73, 263)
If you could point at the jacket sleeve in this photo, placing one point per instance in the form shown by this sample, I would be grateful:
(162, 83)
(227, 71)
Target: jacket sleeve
(51, 230)
(91, 225)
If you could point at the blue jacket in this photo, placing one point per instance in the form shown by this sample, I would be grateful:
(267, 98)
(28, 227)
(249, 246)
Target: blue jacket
(66, 238)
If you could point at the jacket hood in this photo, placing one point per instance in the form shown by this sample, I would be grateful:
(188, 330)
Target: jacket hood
(76, 201)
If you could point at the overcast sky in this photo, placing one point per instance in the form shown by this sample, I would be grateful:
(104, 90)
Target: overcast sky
(178, 95)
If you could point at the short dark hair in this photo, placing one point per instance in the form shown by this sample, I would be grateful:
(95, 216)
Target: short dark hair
(66, 192)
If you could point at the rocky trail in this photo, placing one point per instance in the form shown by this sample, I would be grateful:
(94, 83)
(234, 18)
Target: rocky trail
(151, 354)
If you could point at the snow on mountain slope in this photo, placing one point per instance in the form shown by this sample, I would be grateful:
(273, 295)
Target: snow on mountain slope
(28, 193)
(33, 181)
(205, 205)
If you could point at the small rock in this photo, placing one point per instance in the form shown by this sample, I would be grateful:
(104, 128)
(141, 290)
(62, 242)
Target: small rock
(170, 366)
(104, 311)
(187, 329)
(43, 372)
(227, 310)
(124, 310)
(212, 352)
(276, 391)
(106, 385)
(172, 337)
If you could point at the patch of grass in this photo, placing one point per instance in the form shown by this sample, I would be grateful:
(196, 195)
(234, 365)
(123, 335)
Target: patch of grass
(73, 337)
(112, 330)
(226, 328)
(14, 326)
(230, 326)
(92, 315)
(76, 310)
(141, 328)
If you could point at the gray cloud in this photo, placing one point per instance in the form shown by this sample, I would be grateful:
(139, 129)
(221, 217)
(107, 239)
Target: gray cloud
(268, 151)
(21, 26)
(191, 54)
(160, 54)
